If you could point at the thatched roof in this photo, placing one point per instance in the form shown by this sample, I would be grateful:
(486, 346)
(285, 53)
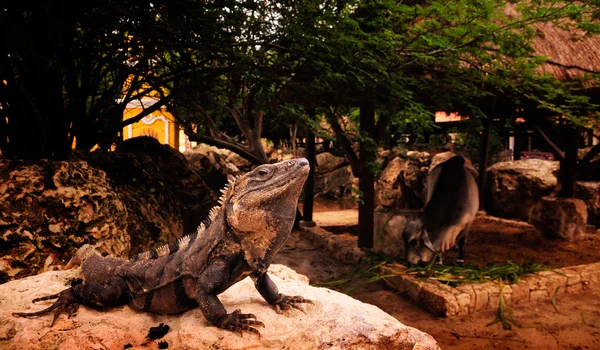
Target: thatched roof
(567, 58)
(570, 54)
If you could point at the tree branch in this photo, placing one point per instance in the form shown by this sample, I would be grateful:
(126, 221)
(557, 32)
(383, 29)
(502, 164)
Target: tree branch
(155, 107)
(557, 151)
(239, 149)
(212, 126)
(381, 125)
(589, 156)
(258, 122)
(345, 143)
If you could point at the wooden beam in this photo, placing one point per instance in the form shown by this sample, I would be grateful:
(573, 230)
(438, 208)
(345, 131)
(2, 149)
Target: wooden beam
(366, 183)
(309, 188)
(484, 143)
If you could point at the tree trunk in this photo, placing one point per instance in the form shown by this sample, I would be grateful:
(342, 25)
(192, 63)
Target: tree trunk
(568, 166)
(483, 160)
(309, 189)
(293, 135)
(518, 148)
(366, 185)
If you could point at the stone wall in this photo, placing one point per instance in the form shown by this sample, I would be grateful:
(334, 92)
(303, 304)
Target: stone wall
(443, 300)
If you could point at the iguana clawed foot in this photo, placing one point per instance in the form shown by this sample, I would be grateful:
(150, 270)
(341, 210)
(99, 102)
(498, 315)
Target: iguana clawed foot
(239, 322)
(67, 302)
(286, 303)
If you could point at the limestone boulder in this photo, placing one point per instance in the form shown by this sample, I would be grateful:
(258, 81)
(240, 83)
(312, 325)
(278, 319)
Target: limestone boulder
(211, 164)
(336, 184)
(164, 196)
(122, 202)
(48, 209)
(280, 155)
(514, 187)
(389, 189)
(415, 174)
(241, 163)
(388, 227)
(444, 156)
(335, 321)
(388, 234)
(589, 192)
(563, 218)
(327, 162)
(421, 158)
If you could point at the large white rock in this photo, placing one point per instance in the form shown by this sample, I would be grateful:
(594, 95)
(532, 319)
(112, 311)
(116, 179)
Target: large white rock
(335, 321)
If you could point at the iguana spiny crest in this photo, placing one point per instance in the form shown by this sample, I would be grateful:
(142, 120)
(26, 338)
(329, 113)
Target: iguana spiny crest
(256, 205)
(185, 241)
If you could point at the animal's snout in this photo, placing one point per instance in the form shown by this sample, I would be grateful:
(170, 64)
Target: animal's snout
(422, 263)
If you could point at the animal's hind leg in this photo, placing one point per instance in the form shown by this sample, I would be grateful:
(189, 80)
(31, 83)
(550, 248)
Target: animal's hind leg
(461, 246)
(112, 293)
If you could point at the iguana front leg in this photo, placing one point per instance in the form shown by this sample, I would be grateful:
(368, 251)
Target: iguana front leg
(213, 310)
(270, 293)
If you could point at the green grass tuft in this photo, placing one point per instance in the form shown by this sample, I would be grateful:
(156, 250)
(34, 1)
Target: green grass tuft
(504, 313)
(367, 271)
(508, 272)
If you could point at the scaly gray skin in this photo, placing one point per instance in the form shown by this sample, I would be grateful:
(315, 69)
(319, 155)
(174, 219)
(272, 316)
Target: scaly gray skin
(452, 203)
(240, 239)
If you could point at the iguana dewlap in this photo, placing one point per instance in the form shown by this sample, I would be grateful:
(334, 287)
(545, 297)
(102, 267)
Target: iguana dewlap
(239, 239)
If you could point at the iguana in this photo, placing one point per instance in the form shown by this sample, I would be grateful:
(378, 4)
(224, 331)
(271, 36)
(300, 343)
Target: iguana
(241, 237)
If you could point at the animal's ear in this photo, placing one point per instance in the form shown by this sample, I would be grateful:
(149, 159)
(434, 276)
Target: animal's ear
(411, 230)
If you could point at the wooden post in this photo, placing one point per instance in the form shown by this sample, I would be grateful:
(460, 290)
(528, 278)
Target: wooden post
(366, 184)
(568, 167)
(518, 144)
(483, 159)
(309, 188)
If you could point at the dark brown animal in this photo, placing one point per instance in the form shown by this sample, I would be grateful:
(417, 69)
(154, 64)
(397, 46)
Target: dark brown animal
(452, 203)
(240, 239)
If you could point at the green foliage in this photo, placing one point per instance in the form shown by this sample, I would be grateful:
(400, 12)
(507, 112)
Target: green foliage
(509, 272)
(361, 274)
(413, 59)
(504, 314)
(367, 271)
(408, 59)
(468, 135)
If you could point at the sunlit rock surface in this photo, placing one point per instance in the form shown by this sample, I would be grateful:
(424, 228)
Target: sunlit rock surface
(335, 321)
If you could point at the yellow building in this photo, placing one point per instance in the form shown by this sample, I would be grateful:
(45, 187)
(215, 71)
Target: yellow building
(159, 124)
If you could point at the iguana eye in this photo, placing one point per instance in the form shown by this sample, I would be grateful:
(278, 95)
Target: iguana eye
(263, 172)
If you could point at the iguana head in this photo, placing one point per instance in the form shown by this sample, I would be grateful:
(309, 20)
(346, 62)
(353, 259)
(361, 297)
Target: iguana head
(260, 207)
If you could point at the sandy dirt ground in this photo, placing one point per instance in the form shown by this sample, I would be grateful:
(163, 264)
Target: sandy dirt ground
(576, 325)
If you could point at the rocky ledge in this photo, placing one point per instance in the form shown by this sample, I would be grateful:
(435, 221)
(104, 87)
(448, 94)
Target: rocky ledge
(335, 321)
